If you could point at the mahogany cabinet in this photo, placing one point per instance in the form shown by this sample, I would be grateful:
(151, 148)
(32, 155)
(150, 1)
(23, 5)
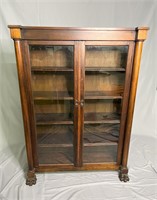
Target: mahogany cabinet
(77, 89)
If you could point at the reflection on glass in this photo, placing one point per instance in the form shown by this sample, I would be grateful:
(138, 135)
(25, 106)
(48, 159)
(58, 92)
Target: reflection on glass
(51, 56)
(55, 144)
(106, 56)
(104, 86)
(101, 130)
(101, 111)
(52, 87)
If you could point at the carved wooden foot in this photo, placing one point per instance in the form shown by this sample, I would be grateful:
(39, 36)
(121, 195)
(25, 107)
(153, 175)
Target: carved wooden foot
(31, 178)
(123, 174)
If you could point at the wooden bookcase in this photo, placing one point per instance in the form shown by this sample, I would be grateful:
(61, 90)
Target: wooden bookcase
(78, 88)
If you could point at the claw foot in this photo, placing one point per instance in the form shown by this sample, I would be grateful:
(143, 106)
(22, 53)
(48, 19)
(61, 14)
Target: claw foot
(31, 178)
(123, 174)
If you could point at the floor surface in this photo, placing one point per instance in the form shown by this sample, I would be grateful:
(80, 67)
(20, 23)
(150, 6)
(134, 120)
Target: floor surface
(97, 185)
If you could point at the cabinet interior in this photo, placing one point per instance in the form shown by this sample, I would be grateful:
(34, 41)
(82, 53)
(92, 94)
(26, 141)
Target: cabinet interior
(52, 81)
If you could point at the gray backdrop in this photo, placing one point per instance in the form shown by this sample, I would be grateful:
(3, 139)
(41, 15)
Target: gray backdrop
(77, 13)
(143, 151)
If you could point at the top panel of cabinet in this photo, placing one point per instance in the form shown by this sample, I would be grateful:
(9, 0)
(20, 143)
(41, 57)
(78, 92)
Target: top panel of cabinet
(71, 33)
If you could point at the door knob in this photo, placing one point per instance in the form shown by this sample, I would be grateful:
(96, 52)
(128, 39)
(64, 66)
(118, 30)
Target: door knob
(76, 102)
(82, 103)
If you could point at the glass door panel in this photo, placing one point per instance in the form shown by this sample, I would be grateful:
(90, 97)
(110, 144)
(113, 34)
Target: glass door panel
(55, 143)
(52, 79)
(106, 56)
(51, 56)
(104, 86)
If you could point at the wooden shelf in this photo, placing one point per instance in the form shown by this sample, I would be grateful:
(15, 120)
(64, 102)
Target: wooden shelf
(51, 69)
(55, 145)
(105, 154)
(89, 118)
(55, 135)
(100, 143)
(51, 118)
(68, 69)
(104, 69)
(100, 154)
(104, 95)
(59, 155)
(50, 96)
(71, 145)
(101, 134)
(62, 136)
(101, 118)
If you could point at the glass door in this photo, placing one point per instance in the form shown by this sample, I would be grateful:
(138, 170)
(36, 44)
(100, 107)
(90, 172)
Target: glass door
(105, 67)
(52, 80)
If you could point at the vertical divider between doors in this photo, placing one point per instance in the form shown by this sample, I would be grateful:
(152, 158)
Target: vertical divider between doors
(82, 101)
(78, 102)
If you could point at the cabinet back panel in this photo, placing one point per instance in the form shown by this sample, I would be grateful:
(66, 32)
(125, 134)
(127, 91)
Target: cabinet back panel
(102, 106)
(52, 82)
(106, 56)
(107, 81)
(51, 56)
(54, 107)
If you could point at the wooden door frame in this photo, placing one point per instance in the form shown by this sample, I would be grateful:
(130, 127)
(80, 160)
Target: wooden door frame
(125, 100)
(33, 134)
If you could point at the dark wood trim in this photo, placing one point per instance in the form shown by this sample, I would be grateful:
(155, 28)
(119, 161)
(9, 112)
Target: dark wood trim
(53, 168)
(15, 27)
(58, 43)
(79, 46)
(76, 35)
(76, 112)
(26, 58)
(81, 100)
(73, 28)
(71, 33)
(107, 43)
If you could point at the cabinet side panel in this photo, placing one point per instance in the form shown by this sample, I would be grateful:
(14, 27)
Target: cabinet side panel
(24, 101)
(136, 67)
